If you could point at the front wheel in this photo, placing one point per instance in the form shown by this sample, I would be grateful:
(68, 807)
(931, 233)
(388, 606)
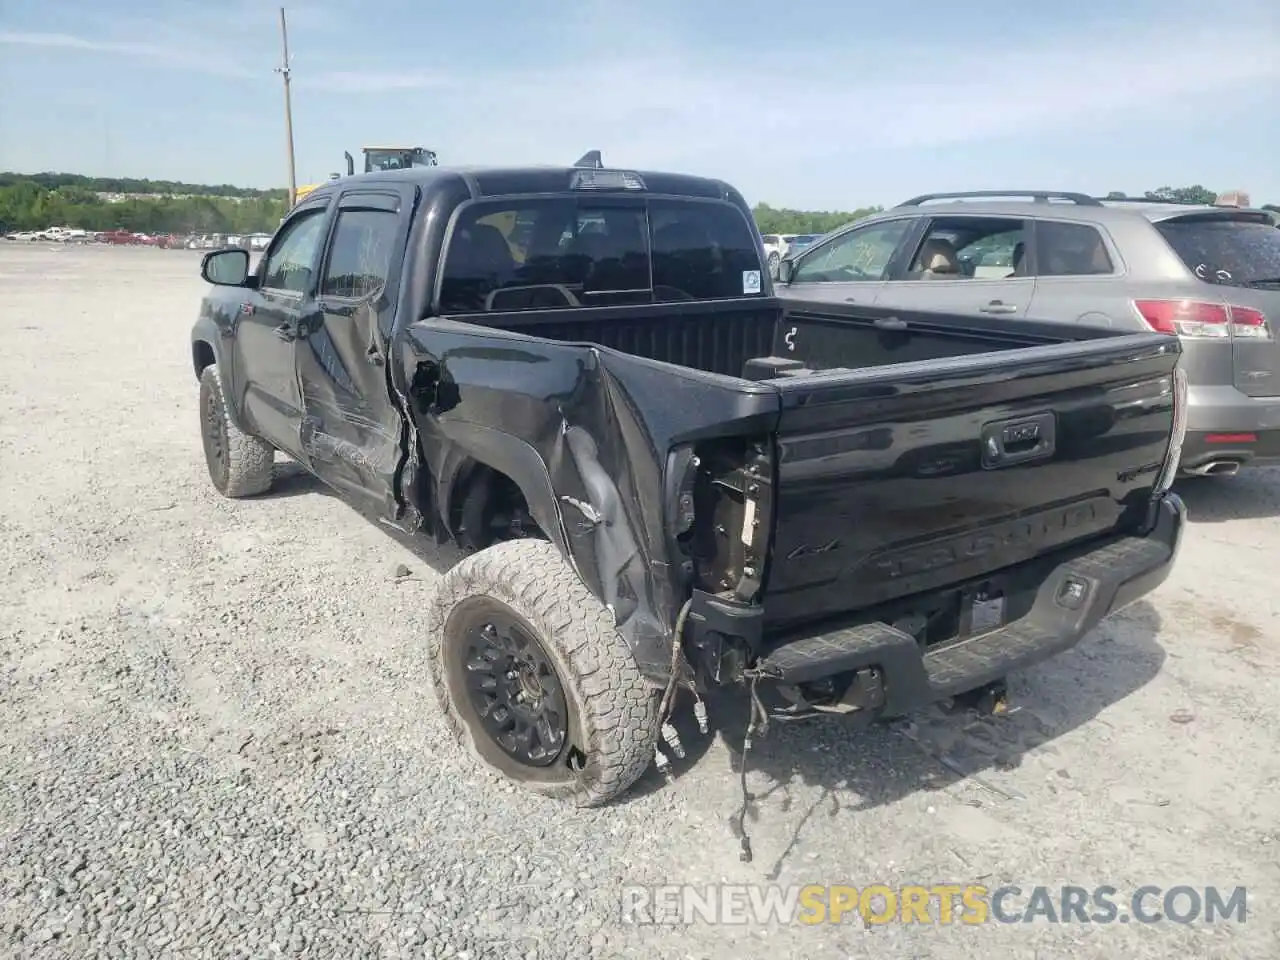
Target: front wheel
(240, 464)
(533, 679)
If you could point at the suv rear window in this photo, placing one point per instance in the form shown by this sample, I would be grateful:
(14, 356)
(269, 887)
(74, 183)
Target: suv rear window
(1228, 250)
(580, 251)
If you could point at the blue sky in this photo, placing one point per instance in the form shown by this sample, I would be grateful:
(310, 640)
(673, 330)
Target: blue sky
(828, 104)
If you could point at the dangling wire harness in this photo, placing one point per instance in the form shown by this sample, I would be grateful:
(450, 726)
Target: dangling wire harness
(758, 724)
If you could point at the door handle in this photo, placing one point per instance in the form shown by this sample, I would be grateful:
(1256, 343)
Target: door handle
(285, 332)
(999, 306)
(890, 323)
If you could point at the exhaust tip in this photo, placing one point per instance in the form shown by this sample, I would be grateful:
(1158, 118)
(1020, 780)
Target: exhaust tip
(1216, 468)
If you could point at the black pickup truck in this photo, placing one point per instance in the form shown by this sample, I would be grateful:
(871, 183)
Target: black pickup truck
(668, 481)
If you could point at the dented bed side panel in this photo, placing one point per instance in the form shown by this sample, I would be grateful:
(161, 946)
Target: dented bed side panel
(585, 433)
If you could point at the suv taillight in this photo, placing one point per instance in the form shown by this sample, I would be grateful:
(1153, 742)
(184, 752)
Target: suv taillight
(1169, 472)
(1202, 320)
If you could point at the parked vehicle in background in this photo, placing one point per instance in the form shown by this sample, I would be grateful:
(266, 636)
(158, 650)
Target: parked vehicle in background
(1207, 274)
(667, 477)
(774, 248)
(780, 245)
(801, 241)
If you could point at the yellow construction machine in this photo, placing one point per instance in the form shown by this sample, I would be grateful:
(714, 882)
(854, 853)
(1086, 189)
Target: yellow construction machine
(380, 158)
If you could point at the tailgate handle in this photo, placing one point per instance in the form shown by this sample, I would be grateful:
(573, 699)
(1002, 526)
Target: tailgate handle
(1007, 442)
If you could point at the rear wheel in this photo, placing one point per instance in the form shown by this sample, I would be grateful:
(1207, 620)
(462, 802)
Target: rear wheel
(533, 679)
(240, 464)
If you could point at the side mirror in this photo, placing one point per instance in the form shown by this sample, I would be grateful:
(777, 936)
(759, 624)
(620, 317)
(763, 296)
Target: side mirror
(785, 269)
(225, 268)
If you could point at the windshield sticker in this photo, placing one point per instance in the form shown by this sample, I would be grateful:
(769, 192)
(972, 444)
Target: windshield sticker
(750, 281)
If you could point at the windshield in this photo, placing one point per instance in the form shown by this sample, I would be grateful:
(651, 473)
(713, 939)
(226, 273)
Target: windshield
(1229, 251)
(583, 251)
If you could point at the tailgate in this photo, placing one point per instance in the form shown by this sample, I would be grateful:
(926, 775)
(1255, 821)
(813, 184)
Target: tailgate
(910, 477)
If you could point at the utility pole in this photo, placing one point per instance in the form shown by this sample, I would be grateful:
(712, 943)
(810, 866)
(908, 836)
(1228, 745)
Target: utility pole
(283, 70)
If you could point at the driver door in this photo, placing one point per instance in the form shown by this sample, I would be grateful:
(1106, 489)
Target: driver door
(849, 267)
(264, 374)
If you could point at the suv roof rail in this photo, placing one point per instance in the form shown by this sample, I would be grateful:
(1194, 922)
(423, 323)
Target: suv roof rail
(591, 160)
(1166, 200)
(1040, 196)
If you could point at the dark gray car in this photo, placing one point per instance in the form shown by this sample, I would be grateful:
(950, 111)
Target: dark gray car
(1207, 274)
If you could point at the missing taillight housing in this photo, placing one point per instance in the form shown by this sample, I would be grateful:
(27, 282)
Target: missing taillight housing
(1204, 320)
(732, 508)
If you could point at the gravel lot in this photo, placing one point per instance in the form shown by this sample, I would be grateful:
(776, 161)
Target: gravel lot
(217, 741)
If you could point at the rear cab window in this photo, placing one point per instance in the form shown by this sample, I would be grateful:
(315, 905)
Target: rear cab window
(1232, 248)
(582, 251)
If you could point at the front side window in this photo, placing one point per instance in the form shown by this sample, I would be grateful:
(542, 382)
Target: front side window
(360, 258)
(861, 254)
(557, 252)
(292, 259)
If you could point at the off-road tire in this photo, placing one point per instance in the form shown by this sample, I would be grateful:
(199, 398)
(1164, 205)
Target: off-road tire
(240, 464)
(612, 711)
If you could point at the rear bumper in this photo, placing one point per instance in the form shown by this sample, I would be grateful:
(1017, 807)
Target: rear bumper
(1247, 448)
(901, 677)
(1225, 424)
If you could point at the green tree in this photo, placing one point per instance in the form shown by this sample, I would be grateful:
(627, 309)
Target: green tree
(775, 220)
(146, 206)
(1195, 194)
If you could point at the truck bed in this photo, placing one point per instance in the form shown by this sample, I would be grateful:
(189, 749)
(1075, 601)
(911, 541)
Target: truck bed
(909, 453)
(721, 337)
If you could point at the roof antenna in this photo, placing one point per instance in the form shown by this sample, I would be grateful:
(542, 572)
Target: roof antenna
(591, 160)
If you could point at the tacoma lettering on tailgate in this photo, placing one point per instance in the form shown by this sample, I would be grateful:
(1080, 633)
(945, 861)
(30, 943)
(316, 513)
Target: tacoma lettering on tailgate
(1052, 526)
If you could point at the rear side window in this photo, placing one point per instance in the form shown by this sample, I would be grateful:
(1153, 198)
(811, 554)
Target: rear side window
(360, 258)
(583, 251)
(1225, 250)
(1070, 250)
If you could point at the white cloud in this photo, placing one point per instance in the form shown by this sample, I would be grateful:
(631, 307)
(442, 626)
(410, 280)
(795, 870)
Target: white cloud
(611, 80)
(175, 55)
(666, 99)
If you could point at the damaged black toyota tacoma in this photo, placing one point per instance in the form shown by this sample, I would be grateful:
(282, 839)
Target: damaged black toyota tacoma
(667, 480)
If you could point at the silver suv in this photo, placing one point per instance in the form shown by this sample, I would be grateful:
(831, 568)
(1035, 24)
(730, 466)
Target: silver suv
(1207, 274)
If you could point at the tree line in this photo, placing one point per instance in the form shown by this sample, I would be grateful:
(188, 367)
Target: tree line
(37, 201)
(66, 200)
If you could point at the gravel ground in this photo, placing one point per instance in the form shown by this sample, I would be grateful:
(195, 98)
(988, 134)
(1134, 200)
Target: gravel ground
(217, 741)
